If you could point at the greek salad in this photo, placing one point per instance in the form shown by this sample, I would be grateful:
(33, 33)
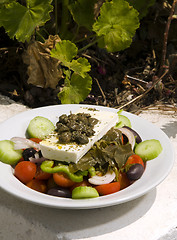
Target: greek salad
(113, 163)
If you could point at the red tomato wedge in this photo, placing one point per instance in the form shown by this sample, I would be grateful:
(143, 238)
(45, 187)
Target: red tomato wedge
(133, 159)
(40, 175)
(36, 140)
(37, 185)
(25, 171)
(79, 184)
(62, 180)
(124, 181)
(108, 188)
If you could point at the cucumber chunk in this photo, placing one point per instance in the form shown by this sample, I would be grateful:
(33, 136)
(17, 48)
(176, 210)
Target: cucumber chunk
(7, 153)
(84, 192)
(40, 127)
(148, 149)
(123, 121)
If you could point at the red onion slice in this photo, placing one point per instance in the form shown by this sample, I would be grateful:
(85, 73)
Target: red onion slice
(21, 143)
(129, 135)
(37, 160)
(99, 180)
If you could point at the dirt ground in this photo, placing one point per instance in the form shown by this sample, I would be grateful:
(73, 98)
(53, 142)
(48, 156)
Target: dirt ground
(134, 79)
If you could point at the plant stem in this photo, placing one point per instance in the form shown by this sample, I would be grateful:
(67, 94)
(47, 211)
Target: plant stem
(164, 48)
(76, 33)
(143, 94)
(40, 36)
(89, 45)
(56, 17)
(85, 38)
(64, 18)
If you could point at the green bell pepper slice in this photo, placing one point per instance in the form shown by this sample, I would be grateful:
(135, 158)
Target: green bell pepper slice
(47, 166)
(92, 171)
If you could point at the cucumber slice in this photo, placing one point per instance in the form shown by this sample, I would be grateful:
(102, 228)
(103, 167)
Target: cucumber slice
(84, 192)
(7, 153)
(148, 149)
(123, 121)
(40, 127)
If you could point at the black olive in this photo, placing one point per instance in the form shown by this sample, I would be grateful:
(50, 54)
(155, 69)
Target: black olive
(28, 152)
(59, 192)
(65, 137)
(40, 153)
(135, 171)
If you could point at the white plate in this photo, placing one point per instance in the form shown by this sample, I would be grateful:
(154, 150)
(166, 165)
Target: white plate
(156, 170)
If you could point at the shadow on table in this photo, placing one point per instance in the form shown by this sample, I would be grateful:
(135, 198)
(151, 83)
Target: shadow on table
(74, 224)
(170, 129)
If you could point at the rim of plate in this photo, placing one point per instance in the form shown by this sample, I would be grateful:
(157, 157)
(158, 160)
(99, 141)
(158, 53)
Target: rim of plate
(156, 170)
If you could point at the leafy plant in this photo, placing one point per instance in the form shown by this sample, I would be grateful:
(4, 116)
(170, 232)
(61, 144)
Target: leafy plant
(111, 24)
(21, 21)
(77, 81)
(117, 24)
(82, 13)
(141, 6)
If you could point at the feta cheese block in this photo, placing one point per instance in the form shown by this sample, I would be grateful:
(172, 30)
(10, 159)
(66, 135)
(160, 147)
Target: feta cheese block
(52, 149)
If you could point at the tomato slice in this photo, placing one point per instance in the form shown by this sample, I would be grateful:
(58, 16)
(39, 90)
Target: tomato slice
(133, 159)
(40, 175)
(25, 171)
(62, 180)
(37, 185)
(36, 140)
(108, 188)
(124, 181)
(81, 184)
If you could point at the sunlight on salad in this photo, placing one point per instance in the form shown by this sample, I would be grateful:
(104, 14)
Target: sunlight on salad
(87, 154)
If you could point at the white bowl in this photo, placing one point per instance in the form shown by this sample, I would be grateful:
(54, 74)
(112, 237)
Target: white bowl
(156, 169)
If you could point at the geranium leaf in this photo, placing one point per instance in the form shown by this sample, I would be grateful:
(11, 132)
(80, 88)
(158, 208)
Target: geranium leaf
(117, 24)
(80, 66)
(6, 1)
(76, 89)
(83, 12)
(64, 51)
(20, 21)
(142, 6)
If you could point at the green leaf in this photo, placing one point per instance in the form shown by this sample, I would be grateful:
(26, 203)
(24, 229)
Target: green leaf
(65, 51)
(20, 21)
(80, 66)
(141, 6)
(83, 12)
(76, 90)
(6, 1)
(117, 24)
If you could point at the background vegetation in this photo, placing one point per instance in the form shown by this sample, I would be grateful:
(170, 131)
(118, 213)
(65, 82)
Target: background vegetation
(114, 53)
